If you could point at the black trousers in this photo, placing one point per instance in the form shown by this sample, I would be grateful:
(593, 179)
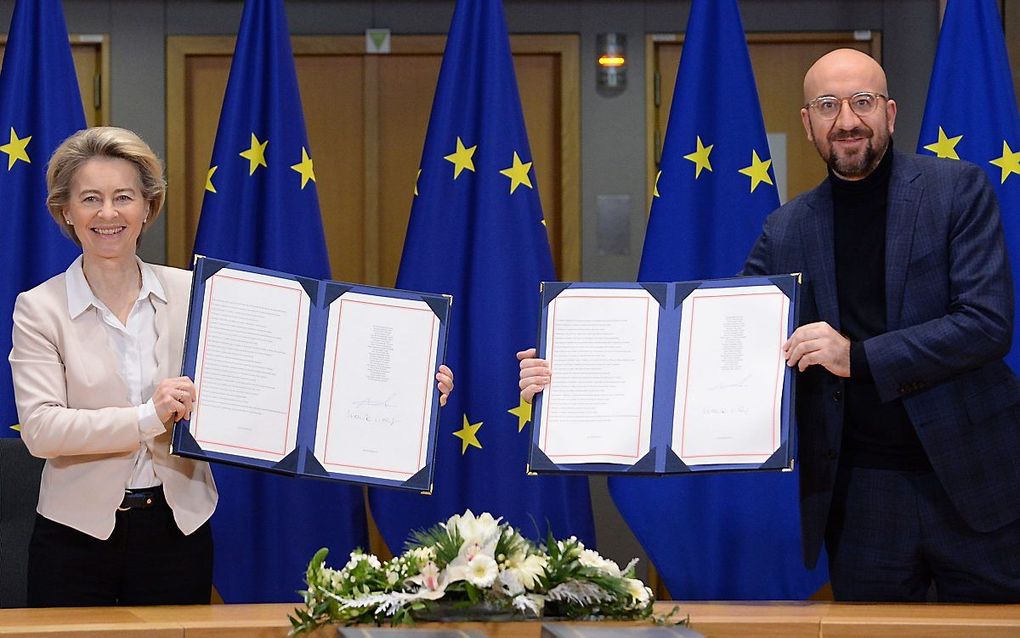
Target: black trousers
(894, 536)
(146, 561)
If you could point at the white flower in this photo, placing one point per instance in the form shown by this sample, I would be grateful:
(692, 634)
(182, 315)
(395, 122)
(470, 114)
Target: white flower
(591, 558)
(481, 571)
(527, 568)
(511, 583)
(481, 530)
(637, 590)
(432, 582)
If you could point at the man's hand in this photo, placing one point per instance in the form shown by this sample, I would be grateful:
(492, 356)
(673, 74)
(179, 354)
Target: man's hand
(818, 344)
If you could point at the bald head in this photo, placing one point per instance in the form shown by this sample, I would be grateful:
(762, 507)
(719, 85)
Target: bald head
(852, 140)
(844, 72)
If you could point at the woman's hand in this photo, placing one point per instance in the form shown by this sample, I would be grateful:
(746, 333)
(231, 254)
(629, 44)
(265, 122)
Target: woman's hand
(535, 374)
(445, 379)
(173, 399)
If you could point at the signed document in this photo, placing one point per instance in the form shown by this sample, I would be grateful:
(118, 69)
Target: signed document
(377, 386)
(313, 377)
(729, 384)
(665, 378)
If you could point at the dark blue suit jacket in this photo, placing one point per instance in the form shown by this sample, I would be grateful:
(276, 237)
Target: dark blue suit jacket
(949, 300)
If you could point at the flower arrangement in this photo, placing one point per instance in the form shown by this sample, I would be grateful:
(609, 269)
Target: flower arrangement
(469, 567)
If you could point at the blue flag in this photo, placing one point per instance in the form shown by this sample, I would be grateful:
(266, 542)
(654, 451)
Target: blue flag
(971, 114)
(261, 208)
(476, 231)
(724, 536)
(39, 107)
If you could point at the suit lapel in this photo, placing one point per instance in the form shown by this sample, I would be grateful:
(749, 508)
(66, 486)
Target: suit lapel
(901, 216)
(820, 253)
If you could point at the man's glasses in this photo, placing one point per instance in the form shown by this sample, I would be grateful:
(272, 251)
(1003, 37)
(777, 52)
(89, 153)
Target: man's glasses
(828, 106)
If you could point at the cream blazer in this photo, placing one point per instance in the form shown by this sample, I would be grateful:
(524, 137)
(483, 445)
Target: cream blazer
(74, 409)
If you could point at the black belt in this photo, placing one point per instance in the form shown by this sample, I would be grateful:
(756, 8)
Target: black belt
(143, 498)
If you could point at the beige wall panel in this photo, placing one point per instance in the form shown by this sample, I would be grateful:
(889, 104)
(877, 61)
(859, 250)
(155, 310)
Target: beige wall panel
(407, 84)
(538, 75)
(332, 96)
(203, 97)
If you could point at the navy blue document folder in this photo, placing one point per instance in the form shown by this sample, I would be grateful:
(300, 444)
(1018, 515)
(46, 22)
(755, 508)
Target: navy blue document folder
(313, 378)
(666, 378)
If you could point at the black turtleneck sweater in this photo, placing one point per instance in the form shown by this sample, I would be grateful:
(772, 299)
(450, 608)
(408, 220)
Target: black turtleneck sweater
(875, 434)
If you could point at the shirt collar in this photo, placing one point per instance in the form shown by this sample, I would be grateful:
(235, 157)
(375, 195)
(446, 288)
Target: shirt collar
(80, 296)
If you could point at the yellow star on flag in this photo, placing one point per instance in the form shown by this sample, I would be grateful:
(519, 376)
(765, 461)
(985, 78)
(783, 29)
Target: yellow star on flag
(468, 435)
(655, 189)
(16, 149)
(416, 182)
(700, 158)
(305, 168)
(945, 147)
(256, 155)
(758, 171)
(518, 174)
(1009, 162)
(16, 427)
(461, 158)
(208, 180)
(522, 412)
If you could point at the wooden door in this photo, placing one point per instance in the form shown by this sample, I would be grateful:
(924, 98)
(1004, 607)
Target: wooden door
(366, 117)
(92, 63)
(779, 61)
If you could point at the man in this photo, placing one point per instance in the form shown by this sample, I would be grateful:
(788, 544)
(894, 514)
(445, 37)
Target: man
(909, 420)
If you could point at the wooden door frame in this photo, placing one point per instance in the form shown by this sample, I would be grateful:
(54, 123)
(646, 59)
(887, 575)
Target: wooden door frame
(179, 48)
(101, 81)
(653, 97)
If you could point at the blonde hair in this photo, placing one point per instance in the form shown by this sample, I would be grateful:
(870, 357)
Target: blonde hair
(102, 141)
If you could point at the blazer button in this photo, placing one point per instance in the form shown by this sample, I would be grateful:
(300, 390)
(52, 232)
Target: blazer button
(831, 454)
(837, 396)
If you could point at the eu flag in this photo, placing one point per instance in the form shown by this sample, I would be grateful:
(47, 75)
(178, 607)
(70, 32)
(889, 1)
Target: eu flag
(261, 208)
(39, 106)
(476, 231)
(724, 536)
(971, 114)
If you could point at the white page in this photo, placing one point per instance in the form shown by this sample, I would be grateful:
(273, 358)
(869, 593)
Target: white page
(250, 365)
(730, 375)
(377, 386)
(601, 350)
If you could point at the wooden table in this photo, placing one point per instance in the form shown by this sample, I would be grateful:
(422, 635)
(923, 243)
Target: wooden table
(714, 620)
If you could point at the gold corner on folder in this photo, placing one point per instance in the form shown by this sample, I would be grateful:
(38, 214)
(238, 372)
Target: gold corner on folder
(799, 276)
(195, 260)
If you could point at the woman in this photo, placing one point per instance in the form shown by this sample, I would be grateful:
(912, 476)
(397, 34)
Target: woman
(120, 520)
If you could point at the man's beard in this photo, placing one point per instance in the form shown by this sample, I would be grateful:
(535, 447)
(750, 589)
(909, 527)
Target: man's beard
(854, 166)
